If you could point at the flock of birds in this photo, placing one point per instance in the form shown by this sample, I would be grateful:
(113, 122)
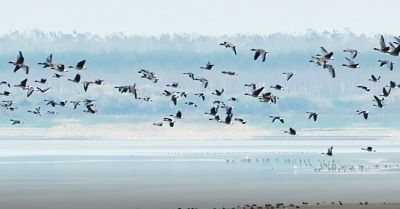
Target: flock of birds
(317, 166)
(322, 60)
(281, 205)
(20, 64)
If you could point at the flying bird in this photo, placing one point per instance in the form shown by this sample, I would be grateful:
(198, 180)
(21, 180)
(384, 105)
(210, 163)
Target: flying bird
(168, 93)
(228, 109)
(364, 88)
(208, 66)
(393, 85)
(42, 81)
(90, 110)
(291, 131)
(395, 51)
(314, 115)
(385, 92)
(191, 103)
(5, 83)
(230, 73)
(75, 103)
(277, 87)
(147, 99)
(178, 115)
(233, 99)
(6, 93)
(23, 84)
(170, 121)
(240, 120)
(16, 121)
(228, 119)
(86, 85)
(191, 75)
(330, 68)
(255, 93)
(31, 90)
(20, 63)
(325, 55)
(213, 111)
(201, 95)
(289, 75)
(203, 80)
(149, 75)
(218, 93)
(252, 85)
(374, 79)
(351, 64)
(216, 117)
(364, 112)
(379, 103)
(277, 118)
(36, 111)
(48, 63)
(368, 149)
(260, 52)
(59, 68)
(174, 98)
(157, 124)
(353, 52)
(229, 45)
(383, 48)
(57, 75)
(80, 65)
(329, 153)
(99, 82)
(77, 79)
(174, 85)
(386, 62)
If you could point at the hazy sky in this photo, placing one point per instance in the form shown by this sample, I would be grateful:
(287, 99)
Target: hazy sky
(210, 17)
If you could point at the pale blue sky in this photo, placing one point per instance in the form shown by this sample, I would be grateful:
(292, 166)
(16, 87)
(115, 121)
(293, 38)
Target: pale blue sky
(209, 17)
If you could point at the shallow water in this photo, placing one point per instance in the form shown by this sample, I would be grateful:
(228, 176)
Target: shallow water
(171, 174)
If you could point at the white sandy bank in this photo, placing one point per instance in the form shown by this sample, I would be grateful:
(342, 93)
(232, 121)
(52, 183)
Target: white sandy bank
(146, 131)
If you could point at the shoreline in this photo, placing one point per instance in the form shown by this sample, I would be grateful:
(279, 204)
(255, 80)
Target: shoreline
(146, 131)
